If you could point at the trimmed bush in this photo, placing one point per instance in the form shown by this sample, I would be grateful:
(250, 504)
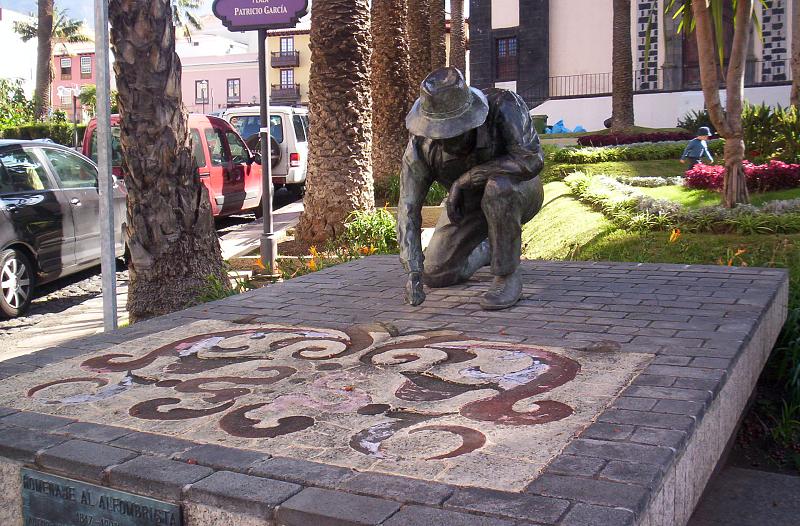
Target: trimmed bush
(61, 133)
(630, 209)
(775, 175)
(637, 152)
(609, 139)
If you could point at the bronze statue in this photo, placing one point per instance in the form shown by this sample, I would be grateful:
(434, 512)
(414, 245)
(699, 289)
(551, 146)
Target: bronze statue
(483, 148)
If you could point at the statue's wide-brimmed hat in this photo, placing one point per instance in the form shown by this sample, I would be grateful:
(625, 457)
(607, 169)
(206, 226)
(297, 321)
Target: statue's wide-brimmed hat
(446, 106)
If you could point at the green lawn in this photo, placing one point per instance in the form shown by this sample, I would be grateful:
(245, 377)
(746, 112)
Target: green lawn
(664, 168)
(697, 198)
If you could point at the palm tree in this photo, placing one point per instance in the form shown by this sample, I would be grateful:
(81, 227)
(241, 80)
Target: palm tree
(389, 86)
(705, 17)
(339, 171)
(51, 24)
(419, 44)
(795, 98)
(437, 25)
(171, 238)
(622, 74)
(184, 17)
(458, 41)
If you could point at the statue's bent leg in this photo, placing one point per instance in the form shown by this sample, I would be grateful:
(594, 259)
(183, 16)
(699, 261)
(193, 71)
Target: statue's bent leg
(507, 204)
(455, 251)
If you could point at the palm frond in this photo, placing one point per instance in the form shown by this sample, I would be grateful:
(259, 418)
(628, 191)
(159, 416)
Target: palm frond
(26, 31)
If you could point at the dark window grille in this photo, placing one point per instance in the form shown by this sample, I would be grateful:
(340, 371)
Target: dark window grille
(234, 90)
(506, 58)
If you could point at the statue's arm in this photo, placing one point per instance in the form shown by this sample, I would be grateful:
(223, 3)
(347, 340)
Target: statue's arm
(415, 181)
(523, 159)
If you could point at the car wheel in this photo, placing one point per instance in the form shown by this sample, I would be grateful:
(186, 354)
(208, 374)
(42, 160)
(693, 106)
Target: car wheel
(16, 283)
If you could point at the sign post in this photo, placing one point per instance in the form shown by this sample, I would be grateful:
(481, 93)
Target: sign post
(248, 15)
(105, 183)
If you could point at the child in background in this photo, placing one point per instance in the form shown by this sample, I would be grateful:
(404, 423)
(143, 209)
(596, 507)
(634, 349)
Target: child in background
(697, 148)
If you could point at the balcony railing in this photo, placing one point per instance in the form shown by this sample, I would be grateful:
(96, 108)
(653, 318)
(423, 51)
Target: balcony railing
(282, 93)
(670, 78)
(285, 59)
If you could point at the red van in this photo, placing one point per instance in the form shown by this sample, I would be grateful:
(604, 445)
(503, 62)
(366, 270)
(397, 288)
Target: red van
(226, 165)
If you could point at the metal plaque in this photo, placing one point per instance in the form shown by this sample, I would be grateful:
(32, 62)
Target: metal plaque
(48, 500)
(249, 15)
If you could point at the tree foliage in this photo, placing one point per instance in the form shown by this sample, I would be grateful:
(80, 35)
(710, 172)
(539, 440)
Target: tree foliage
(15, 108)
(65, 29)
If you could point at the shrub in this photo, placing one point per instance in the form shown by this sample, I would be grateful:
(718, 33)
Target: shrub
(614, 139)
(388, 191)
(775, 175)
(371, 231)
(694, 120)
(634, 152)
(61, 133)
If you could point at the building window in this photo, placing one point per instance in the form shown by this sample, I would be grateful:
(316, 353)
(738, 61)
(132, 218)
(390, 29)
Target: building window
(506, 58)
(287, 78)
(287, 46)
(201, 92)
(66, 69)
(86, 67)
(234, 90)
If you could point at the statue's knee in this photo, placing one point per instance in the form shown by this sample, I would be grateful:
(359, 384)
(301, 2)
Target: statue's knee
(498, 189)
(440, 279)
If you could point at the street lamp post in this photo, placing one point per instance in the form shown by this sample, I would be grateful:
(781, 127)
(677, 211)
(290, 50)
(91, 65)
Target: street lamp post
(204, 94)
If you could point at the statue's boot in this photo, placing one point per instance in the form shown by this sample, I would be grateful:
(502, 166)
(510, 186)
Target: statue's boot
(504, 292)
(478, 258)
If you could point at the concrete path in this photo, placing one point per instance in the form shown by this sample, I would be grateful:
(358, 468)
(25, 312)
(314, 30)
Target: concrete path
(245, 238)
(747, 497)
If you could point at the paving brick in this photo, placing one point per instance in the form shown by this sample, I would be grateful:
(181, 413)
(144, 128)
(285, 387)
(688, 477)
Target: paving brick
(5, 411)
(36, 421)
(220, 457)
(711, 363)
(155, 477)
(153, 444)
(654, 380)
(680, 407)
(421, 516)
(302, 472)
(659, 437)
(636, 404)
(620, 451)
(95, 432)
(602, 492)
(712, 386)
(565, 464)
(539, 508)
(21, 444)
(642, 418)
(402, 489)
(238, 493)
(82, 459)
(333, 508)
(604, 431)
(684, 372)
(632, 472)
(668, 393)
(589, 515)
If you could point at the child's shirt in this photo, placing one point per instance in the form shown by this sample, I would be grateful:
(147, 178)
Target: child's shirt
(696, 149)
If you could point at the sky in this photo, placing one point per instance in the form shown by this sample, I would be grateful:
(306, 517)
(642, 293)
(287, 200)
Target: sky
(80, 9)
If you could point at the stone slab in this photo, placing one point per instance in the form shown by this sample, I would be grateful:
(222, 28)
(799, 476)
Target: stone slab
(665, 358)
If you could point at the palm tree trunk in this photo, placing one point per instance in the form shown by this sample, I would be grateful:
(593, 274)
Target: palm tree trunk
(44, 58)
(728, 122)
(419, 45)
(622, 75)
(173, 245)
(438, 45)
(795, 97)
(340, 111)
(389, 86)
(458, 41)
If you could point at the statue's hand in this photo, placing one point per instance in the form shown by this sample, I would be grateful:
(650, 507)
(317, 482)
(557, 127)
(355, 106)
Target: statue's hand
(415, 294)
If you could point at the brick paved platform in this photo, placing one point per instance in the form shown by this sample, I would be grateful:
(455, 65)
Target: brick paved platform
(605, 397)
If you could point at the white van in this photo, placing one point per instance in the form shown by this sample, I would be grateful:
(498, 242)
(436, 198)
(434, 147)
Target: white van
(289, 131)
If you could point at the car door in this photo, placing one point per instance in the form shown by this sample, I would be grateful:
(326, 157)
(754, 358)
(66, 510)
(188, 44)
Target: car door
(38, 214)
(77, 178)
(219, 181)
(244, 170)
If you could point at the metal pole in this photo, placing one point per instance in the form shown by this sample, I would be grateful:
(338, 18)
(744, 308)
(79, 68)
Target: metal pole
(269, 244)
(105, 178)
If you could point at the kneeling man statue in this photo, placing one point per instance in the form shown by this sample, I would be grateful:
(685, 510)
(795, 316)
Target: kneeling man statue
(482, 147)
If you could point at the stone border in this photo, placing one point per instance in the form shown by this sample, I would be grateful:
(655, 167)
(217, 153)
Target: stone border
(644, 461)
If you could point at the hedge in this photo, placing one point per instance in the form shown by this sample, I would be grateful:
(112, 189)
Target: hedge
(61, 133)
(609, 139)
(638, 152)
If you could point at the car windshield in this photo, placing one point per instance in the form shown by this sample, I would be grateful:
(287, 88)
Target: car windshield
(116, 148)
(249, 125)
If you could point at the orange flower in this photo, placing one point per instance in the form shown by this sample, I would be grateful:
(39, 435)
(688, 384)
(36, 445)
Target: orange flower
(312, 265)
(676, 233)
(260, 264)
(313, 251)
(367, 251)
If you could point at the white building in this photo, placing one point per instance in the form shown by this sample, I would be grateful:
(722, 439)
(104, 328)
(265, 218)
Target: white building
(557, 54)
(19, 61)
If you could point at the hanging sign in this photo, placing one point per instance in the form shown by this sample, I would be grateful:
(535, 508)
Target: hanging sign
(249, 15)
